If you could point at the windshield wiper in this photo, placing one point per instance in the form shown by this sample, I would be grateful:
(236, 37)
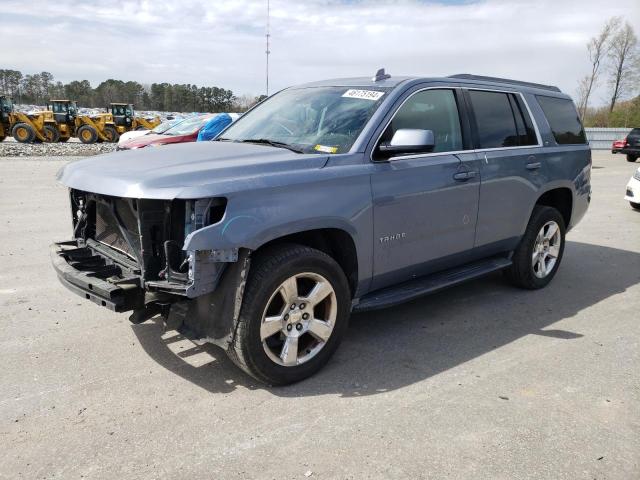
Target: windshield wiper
(266, 141)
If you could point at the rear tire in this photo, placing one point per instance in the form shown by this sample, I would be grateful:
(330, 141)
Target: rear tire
(87, 134)
(2, 138)
(631, 158)
(23, 133)
(111, 133)
(51, 134)
(635, 206)
(270, 326)
(538, 256)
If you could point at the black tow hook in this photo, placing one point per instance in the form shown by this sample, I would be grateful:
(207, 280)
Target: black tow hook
(149, 311)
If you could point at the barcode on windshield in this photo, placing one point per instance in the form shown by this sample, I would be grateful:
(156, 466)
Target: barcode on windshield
(363, 94)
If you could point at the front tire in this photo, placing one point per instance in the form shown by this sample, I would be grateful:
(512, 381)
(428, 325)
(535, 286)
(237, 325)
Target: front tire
(87, 134)
(294, 314)
(538, 256)
(51, 134)
(634, 205)
(631, 158)
(111, 133)
(23, 133)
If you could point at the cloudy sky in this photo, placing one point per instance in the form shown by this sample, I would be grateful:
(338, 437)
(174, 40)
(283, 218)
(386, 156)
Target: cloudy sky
(221, 43)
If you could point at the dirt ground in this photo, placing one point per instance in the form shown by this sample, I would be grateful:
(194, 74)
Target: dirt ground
(482, 381)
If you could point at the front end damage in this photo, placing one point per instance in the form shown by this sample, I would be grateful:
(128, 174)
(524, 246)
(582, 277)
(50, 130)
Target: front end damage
(127, 255)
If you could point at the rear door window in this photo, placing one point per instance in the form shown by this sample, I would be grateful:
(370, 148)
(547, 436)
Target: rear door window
(563, 120)
(526, 132)
(495, 122)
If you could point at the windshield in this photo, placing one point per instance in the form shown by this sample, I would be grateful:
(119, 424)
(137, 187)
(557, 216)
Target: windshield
(313, 120)
(164, 126)
(190, 125)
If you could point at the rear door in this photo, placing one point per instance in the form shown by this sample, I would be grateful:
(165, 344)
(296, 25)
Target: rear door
(512, 170)
(425, 205)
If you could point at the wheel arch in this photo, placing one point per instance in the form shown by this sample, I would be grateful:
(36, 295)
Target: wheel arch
(334, 236)
(560, 198)
(335, 242)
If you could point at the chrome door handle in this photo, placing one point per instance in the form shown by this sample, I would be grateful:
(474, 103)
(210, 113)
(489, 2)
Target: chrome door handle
(464, 176)
(533, 165)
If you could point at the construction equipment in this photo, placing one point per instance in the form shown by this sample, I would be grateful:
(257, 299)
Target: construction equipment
(125, 118)
(26, 127)
(64, 114)
(6, 109)
(93, 128)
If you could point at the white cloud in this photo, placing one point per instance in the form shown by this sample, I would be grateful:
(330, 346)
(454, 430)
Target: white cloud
(222, 43)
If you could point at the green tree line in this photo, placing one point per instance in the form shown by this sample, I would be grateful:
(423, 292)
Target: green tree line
(37, 88)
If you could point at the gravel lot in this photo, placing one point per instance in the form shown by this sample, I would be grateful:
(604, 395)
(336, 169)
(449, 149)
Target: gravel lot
(73, 147)
(478, 382)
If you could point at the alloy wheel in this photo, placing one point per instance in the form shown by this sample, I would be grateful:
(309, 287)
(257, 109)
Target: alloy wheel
(298, 319)
(546, 249)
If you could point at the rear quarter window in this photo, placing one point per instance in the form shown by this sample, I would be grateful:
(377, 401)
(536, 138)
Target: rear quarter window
(563, 120)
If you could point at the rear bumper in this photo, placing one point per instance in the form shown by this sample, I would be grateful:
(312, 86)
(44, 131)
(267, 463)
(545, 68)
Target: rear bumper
(88, 275)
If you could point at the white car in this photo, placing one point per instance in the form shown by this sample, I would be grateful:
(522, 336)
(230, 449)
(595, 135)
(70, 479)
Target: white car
(633, 191)
(163, 127)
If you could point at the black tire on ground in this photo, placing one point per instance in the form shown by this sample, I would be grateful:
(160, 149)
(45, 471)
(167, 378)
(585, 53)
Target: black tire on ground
(2, 137)
(269, 269)
(63, 139)
(111, 133)
(23, 133)
(87, 134)
(521, 273)
(635, 206)
(631, 158)
(51, 134)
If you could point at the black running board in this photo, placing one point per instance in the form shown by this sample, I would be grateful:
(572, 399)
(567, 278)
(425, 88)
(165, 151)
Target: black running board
(404, 292)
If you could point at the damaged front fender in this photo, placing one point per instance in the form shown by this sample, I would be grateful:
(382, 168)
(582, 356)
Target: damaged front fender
(213, 317)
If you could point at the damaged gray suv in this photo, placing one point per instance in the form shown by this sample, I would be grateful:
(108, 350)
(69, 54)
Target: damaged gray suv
(325, 199)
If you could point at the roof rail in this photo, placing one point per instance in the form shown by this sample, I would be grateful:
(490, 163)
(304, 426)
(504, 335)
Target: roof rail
(468, 76)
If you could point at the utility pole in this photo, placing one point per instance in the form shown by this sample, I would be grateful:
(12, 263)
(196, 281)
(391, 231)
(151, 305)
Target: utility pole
(268, 51)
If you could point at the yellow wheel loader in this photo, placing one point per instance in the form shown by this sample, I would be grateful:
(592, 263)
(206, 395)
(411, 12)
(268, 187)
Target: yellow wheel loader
(100, 127)
(126, 120)
(6, 109)
(69, 122)
(26, 127)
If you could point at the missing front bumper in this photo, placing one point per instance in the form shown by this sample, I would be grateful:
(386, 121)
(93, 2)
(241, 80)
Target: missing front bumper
(210, 317)
(95, 278)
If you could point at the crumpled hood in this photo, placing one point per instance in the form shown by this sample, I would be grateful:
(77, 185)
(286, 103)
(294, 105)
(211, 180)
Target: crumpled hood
(188, 170)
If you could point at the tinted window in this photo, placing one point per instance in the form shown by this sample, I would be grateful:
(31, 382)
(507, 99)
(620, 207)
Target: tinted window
(526, 132)
(434, 110)
(494, 119)
(563, 120)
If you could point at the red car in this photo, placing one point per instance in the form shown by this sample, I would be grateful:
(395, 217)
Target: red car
(618, 145)
(185, 131)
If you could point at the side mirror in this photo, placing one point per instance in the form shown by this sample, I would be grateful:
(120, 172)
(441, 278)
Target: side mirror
(409, 140)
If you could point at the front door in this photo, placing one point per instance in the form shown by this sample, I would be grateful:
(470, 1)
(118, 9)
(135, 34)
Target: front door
(425, 205)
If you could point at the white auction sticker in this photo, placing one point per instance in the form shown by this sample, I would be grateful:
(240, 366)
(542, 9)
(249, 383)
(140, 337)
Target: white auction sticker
(363, 94)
